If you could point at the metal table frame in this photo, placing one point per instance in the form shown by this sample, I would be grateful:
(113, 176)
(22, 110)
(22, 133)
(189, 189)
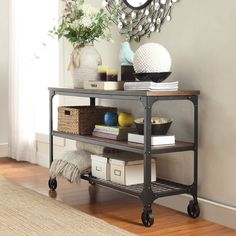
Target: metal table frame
(147, 191)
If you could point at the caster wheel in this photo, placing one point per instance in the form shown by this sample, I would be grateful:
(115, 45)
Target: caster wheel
(193, 209)
(92, 182)
(52, 184)
(90, 179)
(147, 218)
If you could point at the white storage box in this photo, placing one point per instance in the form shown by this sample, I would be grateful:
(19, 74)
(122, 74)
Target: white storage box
(100, 167)
(128, 170)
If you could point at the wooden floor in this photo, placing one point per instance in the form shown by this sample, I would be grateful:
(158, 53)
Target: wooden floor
(115, 208)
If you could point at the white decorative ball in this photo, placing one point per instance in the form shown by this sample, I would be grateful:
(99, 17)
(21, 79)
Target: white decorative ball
(152, 57)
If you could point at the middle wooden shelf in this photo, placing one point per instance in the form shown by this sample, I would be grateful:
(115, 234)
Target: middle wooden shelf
(179, 146)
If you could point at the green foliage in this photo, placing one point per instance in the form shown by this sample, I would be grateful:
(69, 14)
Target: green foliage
(82, 24)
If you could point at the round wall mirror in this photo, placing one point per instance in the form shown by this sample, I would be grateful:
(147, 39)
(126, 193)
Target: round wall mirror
(137, 4)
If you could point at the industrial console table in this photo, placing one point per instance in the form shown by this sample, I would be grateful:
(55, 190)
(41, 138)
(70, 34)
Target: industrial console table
(148, 191)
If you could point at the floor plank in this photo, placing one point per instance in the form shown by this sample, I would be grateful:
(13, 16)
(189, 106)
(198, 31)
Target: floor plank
(114, 207)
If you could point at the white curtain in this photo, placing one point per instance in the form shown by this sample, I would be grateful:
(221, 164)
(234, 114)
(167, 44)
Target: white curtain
(30, 72)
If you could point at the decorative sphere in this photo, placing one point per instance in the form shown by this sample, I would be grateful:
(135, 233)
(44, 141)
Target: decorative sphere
(125, 119)
(110, 118)
(152, 57)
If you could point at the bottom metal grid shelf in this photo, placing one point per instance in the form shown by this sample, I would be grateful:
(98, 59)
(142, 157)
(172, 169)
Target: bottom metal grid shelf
(160, 188)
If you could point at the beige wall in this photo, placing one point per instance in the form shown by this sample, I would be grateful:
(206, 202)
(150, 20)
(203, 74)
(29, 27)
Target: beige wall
(4, 23)
(201, 39)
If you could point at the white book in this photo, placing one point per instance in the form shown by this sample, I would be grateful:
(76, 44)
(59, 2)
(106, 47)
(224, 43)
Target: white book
(152, 86)
(104, 85)
(155, 139)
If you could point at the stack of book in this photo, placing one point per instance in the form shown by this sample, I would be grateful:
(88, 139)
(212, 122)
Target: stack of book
(112, 132)
(151, 86)
(155, 139)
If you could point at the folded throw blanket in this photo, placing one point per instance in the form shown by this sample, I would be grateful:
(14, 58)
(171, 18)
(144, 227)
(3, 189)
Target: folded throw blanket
(94, 149)
(70, 165)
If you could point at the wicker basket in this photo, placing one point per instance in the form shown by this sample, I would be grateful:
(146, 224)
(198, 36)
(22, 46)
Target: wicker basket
(81, 119)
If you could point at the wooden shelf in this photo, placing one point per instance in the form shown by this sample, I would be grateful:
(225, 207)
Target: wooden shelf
(122, 93)
(179, 146)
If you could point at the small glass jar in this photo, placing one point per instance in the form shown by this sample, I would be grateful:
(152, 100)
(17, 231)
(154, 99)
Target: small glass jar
(102, 72)
(112, 75)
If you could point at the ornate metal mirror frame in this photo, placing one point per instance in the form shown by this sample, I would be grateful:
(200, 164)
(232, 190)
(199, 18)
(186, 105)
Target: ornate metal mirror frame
(137, 20)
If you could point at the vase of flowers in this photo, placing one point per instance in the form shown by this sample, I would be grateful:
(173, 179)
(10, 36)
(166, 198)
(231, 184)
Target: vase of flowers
(84, 63)
(81, 24)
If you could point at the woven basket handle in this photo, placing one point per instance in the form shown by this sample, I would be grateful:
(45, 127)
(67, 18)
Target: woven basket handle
(67, 113)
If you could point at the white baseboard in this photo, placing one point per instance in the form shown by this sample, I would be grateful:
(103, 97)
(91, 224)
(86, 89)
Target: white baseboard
(44, 138)
(42, 160)
(212, 211)
(3, 149)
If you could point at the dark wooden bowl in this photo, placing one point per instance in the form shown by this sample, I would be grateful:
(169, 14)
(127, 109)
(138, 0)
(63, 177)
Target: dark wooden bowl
(160, 127)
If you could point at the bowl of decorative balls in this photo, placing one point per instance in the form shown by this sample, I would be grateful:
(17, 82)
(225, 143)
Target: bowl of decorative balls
(160, 125)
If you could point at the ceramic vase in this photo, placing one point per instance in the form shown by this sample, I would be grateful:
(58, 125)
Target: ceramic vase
(84, 64)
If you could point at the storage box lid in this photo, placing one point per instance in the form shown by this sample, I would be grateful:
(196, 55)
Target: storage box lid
(127, 163)
(99, 158)
(126, 159)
